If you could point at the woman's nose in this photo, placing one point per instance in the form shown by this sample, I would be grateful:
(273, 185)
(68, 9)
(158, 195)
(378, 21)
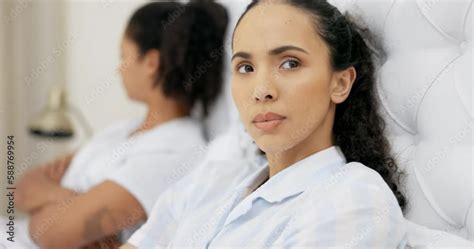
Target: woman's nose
(264, 93)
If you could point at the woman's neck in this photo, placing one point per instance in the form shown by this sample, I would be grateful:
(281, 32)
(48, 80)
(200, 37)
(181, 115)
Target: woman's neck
(282, 160)
(319, 140)
(159, 113)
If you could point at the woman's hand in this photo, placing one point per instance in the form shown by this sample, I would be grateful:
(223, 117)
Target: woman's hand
(105, 209)
(26, 193)
(36, 189)
(110, 242)
(127, 246)
(40, 185)
(55, 169)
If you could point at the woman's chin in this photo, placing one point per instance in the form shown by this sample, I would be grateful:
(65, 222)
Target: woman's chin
(271, 145)
(134, 97)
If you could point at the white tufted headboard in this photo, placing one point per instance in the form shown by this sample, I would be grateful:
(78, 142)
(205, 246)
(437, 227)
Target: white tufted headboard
(425, 87)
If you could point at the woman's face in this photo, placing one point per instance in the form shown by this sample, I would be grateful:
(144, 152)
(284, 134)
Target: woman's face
(134, 71)
(282, 83)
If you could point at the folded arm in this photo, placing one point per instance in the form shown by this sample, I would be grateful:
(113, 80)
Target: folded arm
(85, 218)
(39, 186)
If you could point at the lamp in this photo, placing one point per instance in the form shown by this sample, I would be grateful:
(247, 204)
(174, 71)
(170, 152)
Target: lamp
(54, 121)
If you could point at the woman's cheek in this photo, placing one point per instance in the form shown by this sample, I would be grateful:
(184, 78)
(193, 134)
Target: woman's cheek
(241, 102)
(309, 105)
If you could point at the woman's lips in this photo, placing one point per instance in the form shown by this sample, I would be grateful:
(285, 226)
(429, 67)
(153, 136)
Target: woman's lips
(268, 121)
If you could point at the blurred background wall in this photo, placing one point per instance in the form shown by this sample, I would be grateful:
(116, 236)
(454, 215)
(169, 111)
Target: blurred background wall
(29, 33)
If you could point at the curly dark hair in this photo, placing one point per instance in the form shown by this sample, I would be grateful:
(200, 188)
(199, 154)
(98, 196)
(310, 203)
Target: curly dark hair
(190, 38)
(358, 127)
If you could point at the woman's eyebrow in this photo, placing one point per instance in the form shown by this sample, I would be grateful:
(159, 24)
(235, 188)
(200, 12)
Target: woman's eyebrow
(275, 51)
(243, 55)
(282, 49)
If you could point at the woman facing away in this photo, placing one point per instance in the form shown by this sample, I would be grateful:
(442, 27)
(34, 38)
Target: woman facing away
(111, 184)
(303, 83)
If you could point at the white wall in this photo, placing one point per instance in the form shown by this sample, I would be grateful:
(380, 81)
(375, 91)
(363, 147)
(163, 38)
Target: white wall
(30, 32)
(95, 29)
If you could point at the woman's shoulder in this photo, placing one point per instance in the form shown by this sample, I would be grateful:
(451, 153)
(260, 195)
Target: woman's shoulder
(118, 128)
(369, 178)
(354, 183)
(179, 136)
(359, 175)
(353, 203)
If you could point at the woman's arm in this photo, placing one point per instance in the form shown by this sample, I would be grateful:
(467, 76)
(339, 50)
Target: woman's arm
(80, 220)
(110, 242)
(37, 187)
(127, 246)
(56, 169)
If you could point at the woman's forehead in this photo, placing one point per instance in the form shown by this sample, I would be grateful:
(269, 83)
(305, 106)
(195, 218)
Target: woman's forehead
(268, 26)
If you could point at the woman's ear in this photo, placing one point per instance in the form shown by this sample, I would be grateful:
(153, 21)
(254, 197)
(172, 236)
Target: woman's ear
(152, 62)
(341, 84)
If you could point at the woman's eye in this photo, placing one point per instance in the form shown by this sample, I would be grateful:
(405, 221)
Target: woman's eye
(245, 68)
(290, 64)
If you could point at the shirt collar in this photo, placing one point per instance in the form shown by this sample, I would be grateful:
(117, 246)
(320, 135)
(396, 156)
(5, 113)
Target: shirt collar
(296, 178)
(289, 182)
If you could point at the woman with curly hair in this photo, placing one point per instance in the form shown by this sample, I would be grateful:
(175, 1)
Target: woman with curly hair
(303, 83)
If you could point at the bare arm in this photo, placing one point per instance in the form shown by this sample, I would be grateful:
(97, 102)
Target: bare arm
(37, 189)
(127, 246)
(110, 242)
(56, 169)
(80, 220)
(31, 193)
